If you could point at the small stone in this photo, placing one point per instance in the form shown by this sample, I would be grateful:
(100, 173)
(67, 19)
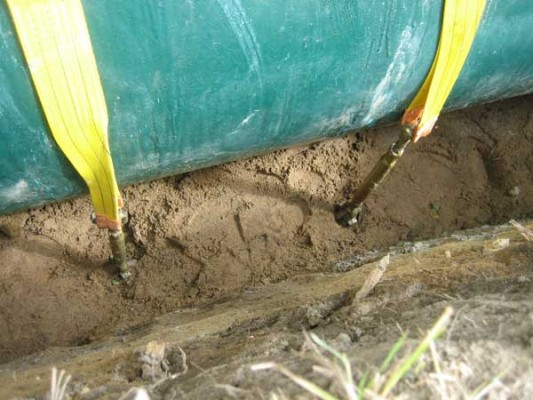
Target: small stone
(448, 254)
(514, 191)
(342, 342)
(343, 338)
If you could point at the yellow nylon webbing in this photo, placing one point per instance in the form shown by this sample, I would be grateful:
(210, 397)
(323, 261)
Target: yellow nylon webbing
(459, 25)
(58, 51)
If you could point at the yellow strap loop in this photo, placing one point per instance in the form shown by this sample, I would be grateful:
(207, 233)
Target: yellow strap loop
(57, 46)
(459, 25)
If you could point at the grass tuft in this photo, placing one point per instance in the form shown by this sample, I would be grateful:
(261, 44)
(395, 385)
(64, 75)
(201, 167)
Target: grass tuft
(384, 382)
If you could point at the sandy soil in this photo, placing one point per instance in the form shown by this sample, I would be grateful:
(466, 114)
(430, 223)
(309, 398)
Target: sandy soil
(207, 352)
(214, 235)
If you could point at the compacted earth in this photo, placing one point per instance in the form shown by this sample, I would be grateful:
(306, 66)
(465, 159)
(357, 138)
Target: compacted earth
(233, 263)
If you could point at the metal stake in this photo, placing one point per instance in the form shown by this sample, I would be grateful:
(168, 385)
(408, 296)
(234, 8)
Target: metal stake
(347, 214)
(118, 251)
(118, 246)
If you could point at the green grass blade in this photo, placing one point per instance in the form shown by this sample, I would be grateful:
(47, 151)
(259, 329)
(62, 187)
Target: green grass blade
(392, 353)
(362, 386)
(325, 346)
(404, 367)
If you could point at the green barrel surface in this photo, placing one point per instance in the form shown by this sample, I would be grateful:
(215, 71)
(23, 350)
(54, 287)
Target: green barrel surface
(193, 83)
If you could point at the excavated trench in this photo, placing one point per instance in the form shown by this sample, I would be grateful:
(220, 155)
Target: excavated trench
(229, 237)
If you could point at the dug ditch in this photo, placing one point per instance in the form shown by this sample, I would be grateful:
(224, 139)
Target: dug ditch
(211, 236)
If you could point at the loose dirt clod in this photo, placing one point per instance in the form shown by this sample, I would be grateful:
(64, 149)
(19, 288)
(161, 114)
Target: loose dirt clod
(160, 362)
(153, 362)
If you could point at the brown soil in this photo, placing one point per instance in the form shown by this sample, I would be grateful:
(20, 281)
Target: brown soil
(212, 235)
(206, 352)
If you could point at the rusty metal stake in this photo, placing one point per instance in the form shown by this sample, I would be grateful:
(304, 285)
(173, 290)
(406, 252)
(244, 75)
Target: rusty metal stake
(118, 251)
(118, 246)
(348, 213)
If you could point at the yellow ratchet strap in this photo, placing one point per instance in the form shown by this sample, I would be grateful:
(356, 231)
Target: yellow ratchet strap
(57, 46)
(459, 25)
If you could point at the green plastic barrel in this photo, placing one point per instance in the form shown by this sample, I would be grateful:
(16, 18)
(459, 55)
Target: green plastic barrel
(193, 83)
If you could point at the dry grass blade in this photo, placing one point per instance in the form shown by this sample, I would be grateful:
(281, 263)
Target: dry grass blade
(58, 384)
(373, 278)
(438, 371)
(525, 232)
(304, 383)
